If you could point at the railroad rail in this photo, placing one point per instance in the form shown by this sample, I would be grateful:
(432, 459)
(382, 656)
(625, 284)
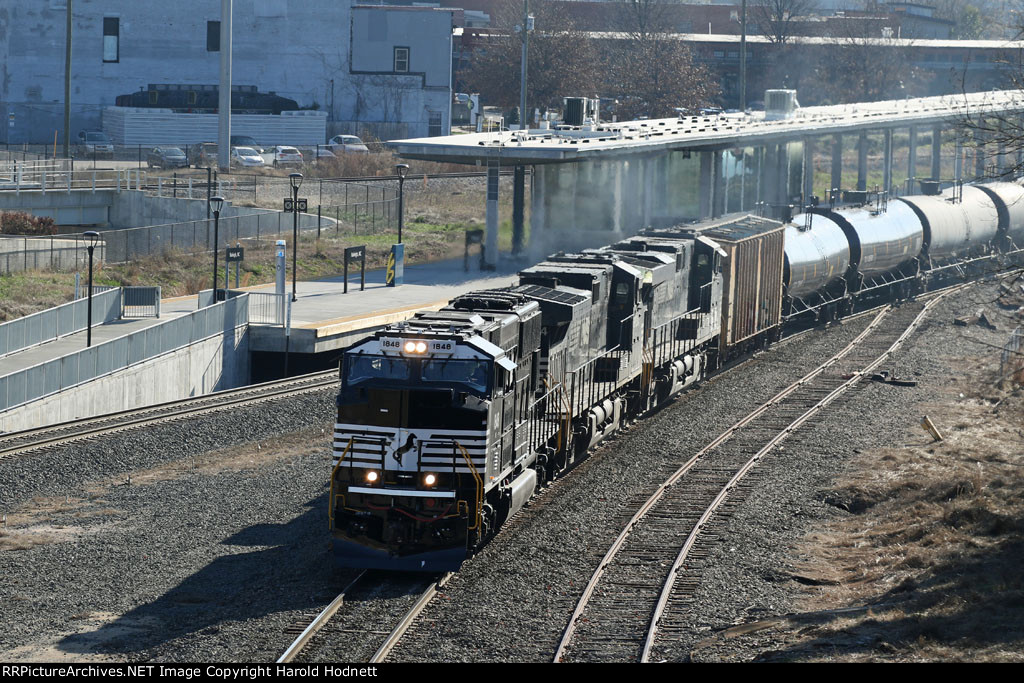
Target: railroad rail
(372, 580)
(25, 441)
(605, 625)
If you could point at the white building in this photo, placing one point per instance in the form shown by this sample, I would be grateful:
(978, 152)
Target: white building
(382, 68)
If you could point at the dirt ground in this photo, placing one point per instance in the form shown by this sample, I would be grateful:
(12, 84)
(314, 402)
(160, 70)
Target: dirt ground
(927, 568)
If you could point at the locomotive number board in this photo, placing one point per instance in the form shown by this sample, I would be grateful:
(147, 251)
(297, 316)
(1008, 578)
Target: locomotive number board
(417, 347)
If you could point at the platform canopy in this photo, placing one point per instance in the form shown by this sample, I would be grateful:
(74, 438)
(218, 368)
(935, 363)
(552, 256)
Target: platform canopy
(657, 136)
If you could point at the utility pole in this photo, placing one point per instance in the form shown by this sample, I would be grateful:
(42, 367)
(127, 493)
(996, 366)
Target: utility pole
(224, 99)
(523, 125)
(743, 56)
(67, 85)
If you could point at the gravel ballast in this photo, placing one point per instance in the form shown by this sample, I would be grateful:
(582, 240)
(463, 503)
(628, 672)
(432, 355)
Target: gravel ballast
(209, 557)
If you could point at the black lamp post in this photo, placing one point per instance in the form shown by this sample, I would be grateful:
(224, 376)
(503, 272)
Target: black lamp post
(216, 203)
(93, 237)
(402, 169)
(296, 180)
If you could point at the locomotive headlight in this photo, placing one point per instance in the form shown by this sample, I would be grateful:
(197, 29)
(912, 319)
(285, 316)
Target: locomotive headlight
(430, 479)
(410, 347)
(421, 347)
(372, 477)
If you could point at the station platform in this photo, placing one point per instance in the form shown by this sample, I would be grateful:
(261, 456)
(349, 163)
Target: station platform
(325, 318)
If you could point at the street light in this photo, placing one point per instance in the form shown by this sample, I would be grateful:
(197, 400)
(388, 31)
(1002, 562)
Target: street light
(402, 169)
(296, 180)
(93, 237)
(216, 203)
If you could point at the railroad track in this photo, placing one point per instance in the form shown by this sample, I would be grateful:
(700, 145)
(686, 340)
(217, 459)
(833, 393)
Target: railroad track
(652, 569)
(29, 440)
(358, 595)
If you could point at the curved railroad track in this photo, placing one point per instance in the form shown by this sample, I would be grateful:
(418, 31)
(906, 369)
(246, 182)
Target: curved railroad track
(29, 440)
(630, 599)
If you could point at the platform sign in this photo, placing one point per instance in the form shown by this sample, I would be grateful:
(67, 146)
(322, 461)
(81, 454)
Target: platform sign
(356, 254)
(299, 205)
(395, 272)
(234, 254)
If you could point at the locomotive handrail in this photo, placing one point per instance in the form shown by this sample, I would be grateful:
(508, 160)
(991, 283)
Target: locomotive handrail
(334, 472)
(479, 485)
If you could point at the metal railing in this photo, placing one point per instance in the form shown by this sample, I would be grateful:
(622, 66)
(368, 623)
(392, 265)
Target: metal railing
(1011, 360)
(60, 321)
(54, 252)
(266, 308)
(45, 178)
(60, 374)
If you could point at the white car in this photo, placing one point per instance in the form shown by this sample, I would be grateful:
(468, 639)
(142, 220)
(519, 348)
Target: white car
(347, 143)
(246, 156)
(287, 156)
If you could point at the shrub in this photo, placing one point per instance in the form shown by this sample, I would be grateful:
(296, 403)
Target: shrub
(22, 223)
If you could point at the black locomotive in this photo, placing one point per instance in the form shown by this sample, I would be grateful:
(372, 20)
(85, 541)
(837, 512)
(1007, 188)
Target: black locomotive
(448, 423)
(205, 99)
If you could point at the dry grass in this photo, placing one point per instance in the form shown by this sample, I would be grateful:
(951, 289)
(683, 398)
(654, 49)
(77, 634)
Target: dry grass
(934, 548)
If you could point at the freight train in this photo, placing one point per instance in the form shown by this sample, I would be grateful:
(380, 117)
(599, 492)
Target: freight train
(448, 423)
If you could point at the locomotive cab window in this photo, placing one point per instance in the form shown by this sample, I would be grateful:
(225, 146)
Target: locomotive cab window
(469, 372)
(363, 368)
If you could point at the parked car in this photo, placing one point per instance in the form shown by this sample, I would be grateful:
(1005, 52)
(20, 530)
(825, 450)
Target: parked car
(347, 144)
(245, 141)
(94, 143)
(203, 154)
(166, 157)
(287, 156)
(315, 154)
(246, 156)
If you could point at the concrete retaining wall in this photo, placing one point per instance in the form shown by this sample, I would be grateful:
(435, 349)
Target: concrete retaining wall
(212, 364)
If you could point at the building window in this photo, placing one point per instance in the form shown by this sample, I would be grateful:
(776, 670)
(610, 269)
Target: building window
(213, 36)
(401, 60)
(111, 39)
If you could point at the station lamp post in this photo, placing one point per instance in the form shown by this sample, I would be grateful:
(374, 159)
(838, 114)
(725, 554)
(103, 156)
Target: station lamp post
(216, 203)
(403, 170)
(296, 181)
(92, 237)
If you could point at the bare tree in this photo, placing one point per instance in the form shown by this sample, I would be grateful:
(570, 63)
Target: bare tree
(777, 19)
(563, 60)
(857, 67)
(650, 69)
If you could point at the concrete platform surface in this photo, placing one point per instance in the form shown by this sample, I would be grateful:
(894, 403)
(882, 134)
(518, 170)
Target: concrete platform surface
(324, 318)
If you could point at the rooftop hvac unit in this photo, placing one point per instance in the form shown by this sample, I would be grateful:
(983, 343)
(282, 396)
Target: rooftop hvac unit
(579, 109)
(779, 104)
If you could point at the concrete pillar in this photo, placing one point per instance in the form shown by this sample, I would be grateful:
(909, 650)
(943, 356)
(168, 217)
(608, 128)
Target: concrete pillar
(617, 204)
(887, 162)
(707, 185)
(937, 153)
(537, 206)
(837, 162)
(979, 154)
(518, 208)
(958, 159)
(808, 171)
(742, 181)
(912, 154)
(718, 186)
(493, 167)
(1002, 158)
(862, 161)
(782, 174)
(648, 190)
